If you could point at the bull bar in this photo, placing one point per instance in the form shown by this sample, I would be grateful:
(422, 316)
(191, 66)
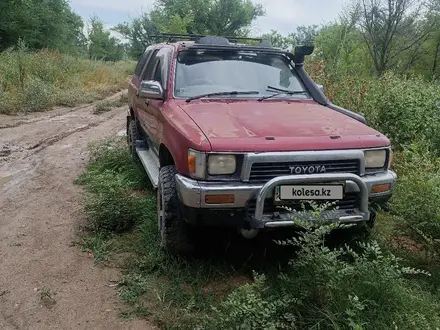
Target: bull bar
(260, 220)
(192, 194)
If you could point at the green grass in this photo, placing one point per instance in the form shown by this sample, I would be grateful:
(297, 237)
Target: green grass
(38, 81)
(230, 283)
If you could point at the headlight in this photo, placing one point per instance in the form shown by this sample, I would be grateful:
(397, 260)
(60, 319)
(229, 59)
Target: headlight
(196, 164)
(375, 158)
(221, 164)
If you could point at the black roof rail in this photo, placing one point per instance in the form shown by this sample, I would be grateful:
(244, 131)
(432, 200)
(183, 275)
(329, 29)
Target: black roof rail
(172, 37)
(240, 47)
(244, 38)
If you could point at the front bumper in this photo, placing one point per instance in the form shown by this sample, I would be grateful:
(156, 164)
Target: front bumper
(192, 194)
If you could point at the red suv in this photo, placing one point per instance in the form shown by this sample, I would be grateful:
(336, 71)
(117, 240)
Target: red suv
(231, 134)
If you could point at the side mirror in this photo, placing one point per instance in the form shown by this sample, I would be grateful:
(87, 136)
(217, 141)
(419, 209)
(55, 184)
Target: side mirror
(321, 88)
(151, 89)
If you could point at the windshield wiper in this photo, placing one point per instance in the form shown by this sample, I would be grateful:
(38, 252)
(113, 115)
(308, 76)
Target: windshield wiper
(222, 93)
(279, 91)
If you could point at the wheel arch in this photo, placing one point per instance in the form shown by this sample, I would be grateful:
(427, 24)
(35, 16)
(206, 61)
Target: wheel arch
(132, 114)
(165, 156)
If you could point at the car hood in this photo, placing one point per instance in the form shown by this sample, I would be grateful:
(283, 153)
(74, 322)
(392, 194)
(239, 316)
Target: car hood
(279, 126)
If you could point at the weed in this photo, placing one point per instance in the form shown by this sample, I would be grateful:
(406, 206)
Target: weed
(300, 281)
(97, 245)
(47, 297)
(405, 110)
(116, 200)
(38, 81)
(109, 105)
(123, 99)
(328, 288)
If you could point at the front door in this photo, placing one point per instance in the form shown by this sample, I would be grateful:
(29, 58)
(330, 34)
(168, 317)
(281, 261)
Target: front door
(142, 104)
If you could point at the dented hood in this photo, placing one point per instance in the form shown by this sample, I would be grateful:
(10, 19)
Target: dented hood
(279, 126)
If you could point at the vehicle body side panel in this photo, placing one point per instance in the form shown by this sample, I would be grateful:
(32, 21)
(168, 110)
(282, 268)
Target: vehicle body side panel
(179, 133)
(133, 87)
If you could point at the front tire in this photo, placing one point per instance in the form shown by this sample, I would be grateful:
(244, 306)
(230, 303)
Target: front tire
(365, 231)
(174, 231)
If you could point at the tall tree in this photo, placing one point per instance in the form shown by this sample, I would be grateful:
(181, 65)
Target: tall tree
(305, 34)
(278, 40)
(138, 32)
(218, 17)
(391, 27)
(41, 24)
(231, 17)
(102, 46)
(433, 42)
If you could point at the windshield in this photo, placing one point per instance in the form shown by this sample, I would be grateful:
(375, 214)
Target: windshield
(204, 72)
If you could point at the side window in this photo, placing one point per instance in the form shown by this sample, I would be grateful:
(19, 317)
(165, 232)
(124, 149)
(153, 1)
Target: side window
(158, 73)
(140, 65)
(150, 66)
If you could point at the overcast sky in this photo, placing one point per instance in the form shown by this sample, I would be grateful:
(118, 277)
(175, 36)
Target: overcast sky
(281, 15)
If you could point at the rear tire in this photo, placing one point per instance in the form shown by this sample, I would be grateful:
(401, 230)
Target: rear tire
(132, 137)
(174, 231)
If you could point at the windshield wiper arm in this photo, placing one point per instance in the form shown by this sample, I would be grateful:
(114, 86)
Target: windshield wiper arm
(279, 92)
(222, 93)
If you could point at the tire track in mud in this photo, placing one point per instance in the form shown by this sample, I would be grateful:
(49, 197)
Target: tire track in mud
(31, 118)
(30, 136)
(40, 208)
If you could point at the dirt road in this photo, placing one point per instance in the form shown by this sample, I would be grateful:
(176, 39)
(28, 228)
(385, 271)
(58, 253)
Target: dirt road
(45, 281)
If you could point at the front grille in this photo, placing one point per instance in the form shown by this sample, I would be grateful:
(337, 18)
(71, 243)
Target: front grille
(349, 202)
(264, 172)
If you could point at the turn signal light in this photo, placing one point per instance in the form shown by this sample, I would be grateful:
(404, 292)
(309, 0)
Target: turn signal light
(192, 163)
(219, 199)
(381, 188)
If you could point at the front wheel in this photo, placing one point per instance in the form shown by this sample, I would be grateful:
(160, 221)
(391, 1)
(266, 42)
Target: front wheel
(174, 231)
(364, 231)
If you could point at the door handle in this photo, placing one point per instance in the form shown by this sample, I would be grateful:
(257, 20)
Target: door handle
(147, 102)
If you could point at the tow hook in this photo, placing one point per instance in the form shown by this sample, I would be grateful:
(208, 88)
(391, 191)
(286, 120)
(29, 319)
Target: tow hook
(249, 233)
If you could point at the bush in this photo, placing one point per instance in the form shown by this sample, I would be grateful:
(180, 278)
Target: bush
(331, 288)
(405, 110)
(251, 307)
(37, 95)
(113, 207)
(116, 200)
(417, 194)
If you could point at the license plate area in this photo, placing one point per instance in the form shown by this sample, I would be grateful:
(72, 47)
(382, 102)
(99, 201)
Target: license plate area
(292, 192)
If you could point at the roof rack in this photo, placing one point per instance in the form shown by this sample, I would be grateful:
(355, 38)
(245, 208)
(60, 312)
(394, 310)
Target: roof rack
(173, 37)
(203, 42)
(235, 47)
